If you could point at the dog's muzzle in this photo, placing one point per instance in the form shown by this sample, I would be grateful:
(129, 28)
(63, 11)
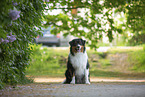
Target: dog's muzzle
(78, 48)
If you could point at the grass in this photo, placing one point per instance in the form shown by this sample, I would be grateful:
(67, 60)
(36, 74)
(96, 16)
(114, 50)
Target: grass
(51, 62)
(125, 50)
(47, 61)
(137, 60)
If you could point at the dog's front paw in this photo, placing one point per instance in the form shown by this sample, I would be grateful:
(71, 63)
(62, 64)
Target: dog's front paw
(88, 82)
(73, 80)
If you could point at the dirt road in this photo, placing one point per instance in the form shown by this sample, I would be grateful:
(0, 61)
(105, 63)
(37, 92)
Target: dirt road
(100, 89)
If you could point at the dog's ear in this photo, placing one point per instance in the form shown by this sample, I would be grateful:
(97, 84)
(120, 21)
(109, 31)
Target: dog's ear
(70, 43)
(84, 41)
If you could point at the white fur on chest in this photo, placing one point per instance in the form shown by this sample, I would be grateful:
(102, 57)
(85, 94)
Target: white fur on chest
(79, 62)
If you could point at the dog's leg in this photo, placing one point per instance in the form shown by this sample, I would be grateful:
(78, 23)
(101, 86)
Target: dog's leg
(73, 80)
(87, 79)
(87, 76)
(69, 73)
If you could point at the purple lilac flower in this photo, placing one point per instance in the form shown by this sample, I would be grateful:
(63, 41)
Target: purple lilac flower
(1, 40)
(11, 33)
(9, 24)
(45, 0)
(12, 38)
(8, 37)
(14, 14)
(6, 41)
(15, 3)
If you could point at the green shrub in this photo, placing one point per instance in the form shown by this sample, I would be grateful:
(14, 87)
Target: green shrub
(18, 22)
(47, 61)
(137, 60)
(144, 47)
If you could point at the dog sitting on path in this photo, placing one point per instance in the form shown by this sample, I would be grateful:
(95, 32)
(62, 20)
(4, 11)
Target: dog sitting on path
(77, 66)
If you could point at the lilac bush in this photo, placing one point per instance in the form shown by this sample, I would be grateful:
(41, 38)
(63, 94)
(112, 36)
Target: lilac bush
(15, 35)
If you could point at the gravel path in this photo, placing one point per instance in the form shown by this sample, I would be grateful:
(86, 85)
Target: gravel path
(101, 89)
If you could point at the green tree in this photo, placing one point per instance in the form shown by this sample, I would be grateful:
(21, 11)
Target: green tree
(92, 18)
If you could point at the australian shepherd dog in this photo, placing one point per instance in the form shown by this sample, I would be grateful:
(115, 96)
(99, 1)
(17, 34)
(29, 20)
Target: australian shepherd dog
(77, 66)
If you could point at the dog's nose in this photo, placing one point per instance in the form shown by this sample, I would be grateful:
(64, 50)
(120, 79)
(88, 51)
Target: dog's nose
(78, 47)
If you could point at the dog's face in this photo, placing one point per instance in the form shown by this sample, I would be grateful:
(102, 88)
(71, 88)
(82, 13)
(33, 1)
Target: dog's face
(77, 45)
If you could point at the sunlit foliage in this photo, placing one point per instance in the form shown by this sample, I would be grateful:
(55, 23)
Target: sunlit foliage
(92, 19)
